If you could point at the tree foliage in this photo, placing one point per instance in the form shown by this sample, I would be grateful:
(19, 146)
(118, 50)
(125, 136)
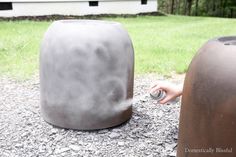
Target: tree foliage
(219, 8)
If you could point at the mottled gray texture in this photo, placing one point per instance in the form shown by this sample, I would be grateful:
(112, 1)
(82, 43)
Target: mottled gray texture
(86, 74)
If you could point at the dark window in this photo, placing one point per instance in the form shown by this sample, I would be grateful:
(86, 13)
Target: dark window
(5, 6)
(143, 2)
(93, 3)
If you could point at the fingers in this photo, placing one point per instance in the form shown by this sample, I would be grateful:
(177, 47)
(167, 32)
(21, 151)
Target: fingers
(155, 89)
(158, 85)
(165, 100)
(151, 87)
(155, 84)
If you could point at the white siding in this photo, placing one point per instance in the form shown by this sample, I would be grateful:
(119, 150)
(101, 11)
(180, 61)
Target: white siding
(77, 8)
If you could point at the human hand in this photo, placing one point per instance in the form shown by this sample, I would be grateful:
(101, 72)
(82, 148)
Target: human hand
(172, 91)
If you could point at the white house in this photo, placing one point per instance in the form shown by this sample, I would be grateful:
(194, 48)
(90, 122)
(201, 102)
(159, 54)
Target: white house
(10, 8)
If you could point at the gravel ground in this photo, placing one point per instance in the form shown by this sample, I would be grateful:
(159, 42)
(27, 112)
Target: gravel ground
(152, 130)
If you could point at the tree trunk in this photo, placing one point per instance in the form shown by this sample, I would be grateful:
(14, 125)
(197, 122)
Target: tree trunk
(221, 8)
(189, 7)
(213, 5)
(231, 12)
(224, 7)
(172, 6)
(178, 6)
(207, 6)
(196, 9)
(185, 7)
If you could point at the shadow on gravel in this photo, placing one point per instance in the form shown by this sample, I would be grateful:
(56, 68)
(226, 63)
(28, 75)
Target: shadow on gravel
(95, 130)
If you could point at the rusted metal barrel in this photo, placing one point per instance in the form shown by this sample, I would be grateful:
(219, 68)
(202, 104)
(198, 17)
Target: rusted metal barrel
(208, 111)
(86, 74)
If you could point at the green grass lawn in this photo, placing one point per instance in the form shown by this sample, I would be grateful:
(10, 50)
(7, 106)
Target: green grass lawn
(163, 44)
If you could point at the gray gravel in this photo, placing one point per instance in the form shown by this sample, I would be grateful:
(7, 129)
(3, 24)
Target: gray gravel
(152, 130)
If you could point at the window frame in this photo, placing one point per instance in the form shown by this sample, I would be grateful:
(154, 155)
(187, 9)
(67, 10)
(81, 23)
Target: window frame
(144, 2)
(6, 6)
(93, 3)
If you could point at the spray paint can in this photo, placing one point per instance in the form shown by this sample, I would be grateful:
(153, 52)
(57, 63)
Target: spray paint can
(158, 95)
